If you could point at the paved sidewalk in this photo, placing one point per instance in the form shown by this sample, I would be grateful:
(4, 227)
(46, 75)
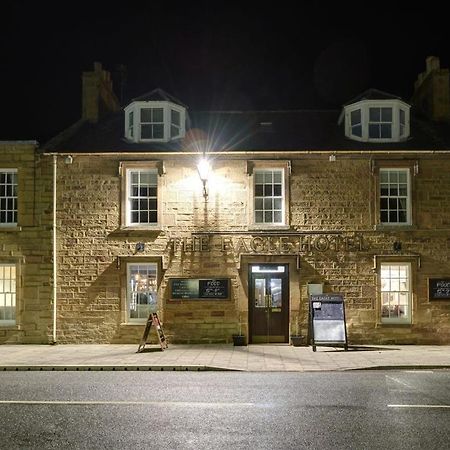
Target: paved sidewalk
(220, 357)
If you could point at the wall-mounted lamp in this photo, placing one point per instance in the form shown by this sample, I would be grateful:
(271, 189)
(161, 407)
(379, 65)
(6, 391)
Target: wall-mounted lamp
(203, 168)
(332, 158)
(68, 159)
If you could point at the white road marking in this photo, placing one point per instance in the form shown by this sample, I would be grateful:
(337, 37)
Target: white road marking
(419, 406)
(400, 382)
(119, 402)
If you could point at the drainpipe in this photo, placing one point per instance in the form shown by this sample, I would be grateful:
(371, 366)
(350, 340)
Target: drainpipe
(55, 161)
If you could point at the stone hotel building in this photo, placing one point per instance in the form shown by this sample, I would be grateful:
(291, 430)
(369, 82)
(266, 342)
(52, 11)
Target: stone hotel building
(226, 221)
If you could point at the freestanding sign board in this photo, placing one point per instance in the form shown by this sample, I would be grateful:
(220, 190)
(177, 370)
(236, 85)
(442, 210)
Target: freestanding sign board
(327, 320)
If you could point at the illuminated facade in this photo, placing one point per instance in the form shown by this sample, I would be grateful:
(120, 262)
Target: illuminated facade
(291, 204)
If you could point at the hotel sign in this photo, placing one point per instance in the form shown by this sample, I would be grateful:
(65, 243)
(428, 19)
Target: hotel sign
(288, 244)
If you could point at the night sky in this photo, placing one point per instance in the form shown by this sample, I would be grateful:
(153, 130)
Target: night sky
(209, 54)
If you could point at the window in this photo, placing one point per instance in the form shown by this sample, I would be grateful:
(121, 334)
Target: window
(8, 197)
(269, 196)
(355, 117)
(175, 123)
(152, 123)
(402, 121)
(141, 291)
(380, 123)
(159, 121)
(395, 287)
(377, 120)
(395, 197)
(131, 124)
(142, 197)
(7, 294)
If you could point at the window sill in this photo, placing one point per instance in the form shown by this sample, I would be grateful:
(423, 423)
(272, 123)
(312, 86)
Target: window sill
(126, 231)
(12, 229)
(269, 227)
(387, 227)
(393, 325)
(9, 327)
(133, 324)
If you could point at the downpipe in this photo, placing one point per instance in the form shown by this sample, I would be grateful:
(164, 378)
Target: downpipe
(55, 163)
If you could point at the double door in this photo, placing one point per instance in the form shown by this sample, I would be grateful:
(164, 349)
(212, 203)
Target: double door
(269, 303)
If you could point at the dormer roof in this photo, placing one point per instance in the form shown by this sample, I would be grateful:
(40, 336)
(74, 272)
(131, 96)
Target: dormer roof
(157, 95)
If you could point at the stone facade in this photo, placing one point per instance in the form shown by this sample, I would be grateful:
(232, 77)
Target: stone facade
(27, 246)
(332, 238)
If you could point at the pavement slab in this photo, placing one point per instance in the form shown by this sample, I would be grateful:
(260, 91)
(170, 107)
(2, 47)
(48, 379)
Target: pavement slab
(220, 357)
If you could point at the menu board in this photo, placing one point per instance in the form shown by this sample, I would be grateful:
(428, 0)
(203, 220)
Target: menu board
(439, 288)
(327, 320)
(199, 288)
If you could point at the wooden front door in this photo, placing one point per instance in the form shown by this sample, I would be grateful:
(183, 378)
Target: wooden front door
(269, 303)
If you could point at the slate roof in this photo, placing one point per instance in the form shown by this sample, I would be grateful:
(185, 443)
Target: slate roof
(247, 131)
(158, 94)
(373, 94)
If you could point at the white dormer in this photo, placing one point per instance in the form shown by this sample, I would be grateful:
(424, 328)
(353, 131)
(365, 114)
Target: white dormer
(155, 117)
(376, 116)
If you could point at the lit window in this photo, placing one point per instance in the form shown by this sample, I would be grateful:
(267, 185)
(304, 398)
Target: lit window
(395, 293)
(7, 294)
(268, 196)
(142, 197)
(394, 197)
(141, 291)
(8, 197)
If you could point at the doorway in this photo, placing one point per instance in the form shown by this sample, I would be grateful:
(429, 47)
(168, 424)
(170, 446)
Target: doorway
(269, 303)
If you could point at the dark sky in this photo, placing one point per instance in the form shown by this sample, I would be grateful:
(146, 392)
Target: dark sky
(210, 54)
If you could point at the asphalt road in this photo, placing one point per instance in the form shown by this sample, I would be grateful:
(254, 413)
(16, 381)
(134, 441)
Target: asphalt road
(231, 410)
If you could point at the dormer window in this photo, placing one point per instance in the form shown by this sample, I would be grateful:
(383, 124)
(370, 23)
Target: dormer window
(372, 119)
(155, 117)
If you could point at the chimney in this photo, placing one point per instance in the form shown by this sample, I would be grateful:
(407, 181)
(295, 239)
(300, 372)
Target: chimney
(98, 96)
(432, 91)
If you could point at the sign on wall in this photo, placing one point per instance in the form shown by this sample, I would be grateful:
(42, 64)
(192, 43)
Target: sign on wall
(199, 288)
(439, 288)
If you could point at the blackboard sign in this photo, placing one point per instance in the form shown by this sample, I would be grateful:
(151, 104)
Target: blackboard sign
(327, 320)
(439, 288)
(199, 288)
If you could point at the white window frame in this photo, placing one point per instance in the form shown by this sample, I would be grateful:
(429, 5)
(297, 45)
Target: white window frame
(8, 293)
(133, 130)
(266, 167)
(399, 132)
(126, 170)
(6, 199)
(397, 198)
(147, 287)
(407, 319)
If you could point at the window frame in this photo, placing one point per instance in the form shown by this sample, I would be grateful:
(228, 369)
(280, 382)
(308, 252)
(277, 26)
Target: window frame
(133, 128)
(14, 198)
(5, 323)
(126, 169)
(397, 197)
(412, 167)
(128, 290)
(399, 131)
(265, 166)
(408, 320)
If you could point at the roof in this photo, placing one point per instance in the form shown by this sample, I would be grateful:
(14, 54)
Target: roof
(246, 131)
(157, 95)
(373, 94)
